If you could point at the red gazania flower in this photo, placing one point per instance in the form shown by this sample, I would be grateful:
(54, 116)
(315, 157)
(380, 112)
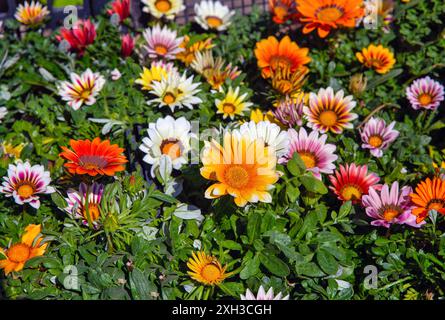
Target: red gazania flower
(127, 45)
(351, 182)
(121, 8)
(94, 157)
(80, 36)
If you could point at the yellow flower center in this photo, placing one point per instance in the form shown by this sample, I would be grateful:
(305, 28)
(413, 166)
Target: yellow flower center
(351, 193)
(25, 191)
(228, 108)
(85, 94)
(308, 159)
(279, 62)
(214, 22)
(163, 5)
(93, 211)
(375, 141)
(161, 49)
(425, 99)
(236, 176)
(171, 148)
(390, 214)
(280, 12)
(211, 272)
(328, 118)
(169, 98)
(19, 252)
(329, 14)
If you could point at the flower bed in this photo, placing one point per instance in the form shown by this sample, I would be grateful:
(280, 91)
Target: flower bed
(291, 154)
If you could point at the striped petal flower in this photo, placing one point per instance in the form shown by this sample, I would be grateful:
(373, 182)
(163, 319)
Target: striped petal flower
(263, 295)
(425, 93)
(31, 14)
(377, 137)
(162, 43)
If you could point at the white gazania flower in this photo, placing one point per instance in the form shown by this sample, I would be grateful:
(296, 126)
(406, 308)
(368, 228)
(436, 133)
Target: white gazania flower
(3, 113)
(163, 8)
(175, 91)
(31, 14)
(270, 133)
(262, 295)
(167, 137)
(213, 15)
(82, 89)
(24, 182)
(115, 74)
(162, 43)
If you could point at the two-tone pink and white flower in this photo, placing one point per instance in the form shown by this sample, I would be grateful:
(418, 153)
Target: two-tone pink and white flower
(425, 93)
(390, 206)
(24, 182)
(263, 295)
(162, 43)
(377, 136)
(317, 155)
(82, 89)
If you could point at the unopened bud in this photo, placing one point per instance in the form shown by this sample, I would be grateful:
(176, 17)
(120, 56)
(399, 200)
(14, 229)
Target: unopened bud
(357, 84)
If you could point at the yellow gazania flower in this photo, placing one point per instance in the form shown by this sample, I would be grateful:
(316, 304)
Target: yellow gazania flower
(157, 71)
(242, 167)
(188, 55)
(29, 247)
(256, 115)
(31, 14)
(206, 269)
(232, 104)
(10, 151)
(286, 82)
(378, 58)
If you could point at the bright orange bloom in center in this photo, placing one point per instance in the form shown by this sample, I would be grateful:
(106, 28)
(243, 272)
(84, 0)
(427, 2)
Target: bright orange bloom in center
(325, 15)
(429, 195)
(285, 54)
(94, 157)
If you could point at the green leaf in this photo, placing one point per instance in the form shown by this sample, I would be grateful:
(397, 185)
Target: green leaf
(312, 184)
(140, 286)
(274, 264)
(253, 226)
(230, 244)
(345, 209)
(309, 269)
(327, 262)
(251, 268)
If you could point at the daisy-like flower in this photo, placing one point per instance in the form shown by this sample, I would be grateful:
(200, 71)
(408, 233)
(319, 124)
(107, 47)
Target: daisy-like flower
(121, 8)
(272, 54)
(352, 181)
(190, 49)
(19, 253)
(93, 157)
(288, 83)
(325, 15)
(79, 37)
(163, 8)
(429, 195)
(162, 43)
(256, 115)
(214, 70)
(233, 104)
(213, 15)
(425, 93)
(24, 182)
(85, 203)
(115, 74)
(329, 111)
(206, 269)
(10, 151)
(158, 70)
(270, 133)
(289, 112)
(391, 205)
(127, 45)
(241, 167)
(82, 89)
(283, 10)
(31, 14)
(262, 295)
(378, 58)
(175, 91)
(377, 137)
(167, 137)
(3, 113)
(317, 155)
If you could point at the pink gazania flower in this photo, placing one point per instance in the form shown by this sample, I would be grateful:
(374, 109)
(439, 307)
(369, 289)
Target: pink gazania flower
(377, 137)
(24, 182)
(329, 111)
(425, 93)
(162, 43)
(121, 8)
(390, 206)
(352, 181)
(82, 89)
(262, 295)
(80, 36)
(85, 203)
(127, 45)
(317, 156)
(290, 112)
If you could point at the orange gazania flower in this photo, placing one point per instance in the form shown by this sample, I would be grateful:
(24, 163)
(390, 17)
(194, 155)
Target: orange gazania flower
(283, 10)
(429, 195)
(325, 15)
(94, 157)
(272, 54)
(378, 58)
(206, 269)
(190, 48)
(29, 247)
